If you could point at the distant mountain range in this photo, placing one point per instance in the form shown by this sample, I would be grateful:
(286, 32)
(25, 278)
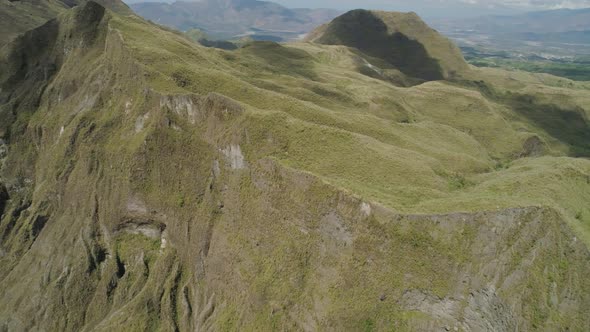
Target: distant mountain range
(560, 32)
(551, 21)
(225, 19)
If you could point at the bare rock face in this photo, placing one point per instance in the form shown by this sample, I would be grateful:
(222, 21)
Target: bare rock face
(533, 147)
(3, 198)
(3, 152)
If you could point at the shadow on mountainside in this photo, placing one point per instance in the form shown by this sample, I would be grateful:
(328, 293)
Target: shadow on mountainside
(567, 125)
(368, 33)
(281, 59)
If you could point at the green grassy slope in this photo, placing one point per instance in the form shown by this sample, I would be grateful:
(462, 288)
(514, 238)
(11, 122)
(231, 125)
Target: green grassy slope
(401, 39)
(155, 184)
(17, 17)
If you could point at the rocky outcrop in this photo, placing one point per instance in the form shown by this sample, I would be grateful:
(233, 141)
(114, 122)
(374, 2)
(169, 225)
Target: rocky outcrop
(516, 250)
(3, 199)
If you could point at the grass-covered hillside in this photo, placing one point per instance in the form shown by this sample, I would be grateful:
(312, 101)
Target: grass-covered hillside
(400, 39)
(151, 183)
(19, 16)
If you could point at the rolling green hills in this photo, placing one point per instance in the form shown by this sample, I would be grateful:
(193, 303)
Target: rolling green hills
(151, 183)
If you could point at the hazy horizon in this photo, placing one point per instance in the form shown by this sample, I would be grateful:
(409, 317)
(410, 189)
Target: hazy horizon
(432, 8)
(443, 8)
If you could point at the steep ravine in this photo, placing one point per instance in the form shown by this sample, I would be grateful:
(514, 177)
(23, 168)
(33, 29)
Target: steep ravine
(130, 209)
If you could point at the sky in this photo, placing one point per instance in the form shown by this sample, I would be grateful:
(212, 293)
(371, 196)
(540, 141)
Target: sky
(447, 8)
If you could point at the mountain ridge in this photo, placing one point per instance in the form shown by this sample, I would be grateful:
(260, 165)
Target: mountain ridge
(17, 17)
(154, 184)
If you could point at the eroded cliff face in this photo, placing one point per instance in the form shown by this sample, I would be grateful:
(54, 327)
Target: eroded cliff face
(125, 208)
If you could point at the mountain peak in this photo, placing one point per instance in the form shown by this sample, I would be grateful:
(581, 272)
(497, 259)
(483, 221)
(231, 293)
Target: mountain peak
(401, 39)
